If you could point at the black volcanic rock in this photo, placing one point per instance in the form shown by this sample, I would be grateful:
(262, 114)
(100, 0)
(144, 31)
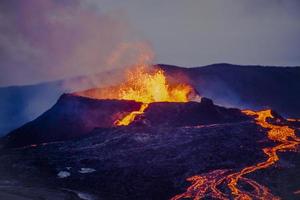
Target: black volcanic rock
(206, 101)
(189, 114)
(75, 116)
(148, 163)
(135, 163)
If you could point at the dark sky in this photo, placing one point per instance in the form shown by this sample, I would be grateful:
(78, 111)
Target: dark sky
(43, 40)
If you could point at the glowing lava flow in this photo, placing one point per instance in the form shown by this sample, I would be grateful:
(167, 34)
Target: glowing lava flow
(207, 185)
(146, 87)
(131, 116)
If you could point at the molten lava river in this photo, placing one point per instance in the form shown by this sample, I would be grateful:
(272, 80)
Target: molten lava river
(208, 185)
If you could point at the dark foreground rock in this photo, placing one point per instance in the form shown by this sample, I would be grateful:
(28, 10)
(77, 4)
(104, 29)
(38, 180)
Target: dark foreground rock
(145, 162)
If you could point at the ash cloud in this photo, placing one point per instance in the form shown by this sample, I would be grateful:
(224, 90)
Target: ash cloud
(46, 40)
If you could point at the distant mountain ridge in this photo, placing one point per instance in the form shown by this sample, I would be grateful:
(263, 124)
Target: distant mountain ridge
(239, 86)
(252, 86)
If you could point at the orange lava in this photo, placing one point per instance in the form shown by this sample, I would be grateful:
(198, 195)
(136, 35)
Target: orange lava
(147, 87)
(207, 185)
(131, 116)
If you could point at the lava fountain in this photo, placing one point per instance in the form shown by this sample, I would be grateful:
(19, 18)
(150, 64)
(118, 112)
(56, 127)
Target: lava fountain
(206, 185)
(148, 87)
(145, 85)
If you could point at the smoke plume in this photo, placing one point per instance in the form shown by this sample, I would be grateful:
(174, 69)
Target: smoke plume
(49, 39)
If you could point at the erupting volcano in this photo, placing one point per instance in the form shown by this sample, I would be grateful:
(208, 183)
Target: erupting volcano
(123, 100)
(146, 135)
(146, 86)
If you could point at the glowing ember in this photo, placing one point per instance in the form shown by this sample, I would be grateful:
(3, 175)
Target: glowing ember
(207, 185)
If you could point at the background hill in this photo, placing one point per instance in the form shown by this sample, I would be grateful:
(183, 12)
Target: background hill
(254, 87)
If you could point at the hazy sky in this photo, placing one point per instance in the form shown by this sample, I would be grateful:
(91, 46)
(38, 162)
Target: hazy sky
(51, 39)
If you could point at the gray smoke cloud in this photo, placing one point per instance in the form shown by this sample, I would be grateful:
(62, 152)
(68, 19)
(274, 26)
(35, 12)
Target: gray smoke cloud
(43, 40)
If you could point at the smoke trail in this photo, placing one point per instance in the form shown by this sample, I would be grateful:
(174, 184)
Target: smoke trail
(50, 39)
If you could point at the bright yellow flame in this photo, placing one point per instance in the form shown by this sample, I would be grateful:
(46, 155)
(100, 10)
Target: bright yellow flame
(147, 87)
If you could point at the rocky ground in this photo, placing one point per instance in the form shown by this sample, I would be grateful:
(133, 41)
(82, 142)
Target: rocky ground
(140, 163)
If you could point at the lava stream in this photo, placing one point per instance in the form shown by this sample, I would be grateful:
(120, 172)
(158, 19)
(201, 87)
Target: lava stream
(207, 185)
(131, 116)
